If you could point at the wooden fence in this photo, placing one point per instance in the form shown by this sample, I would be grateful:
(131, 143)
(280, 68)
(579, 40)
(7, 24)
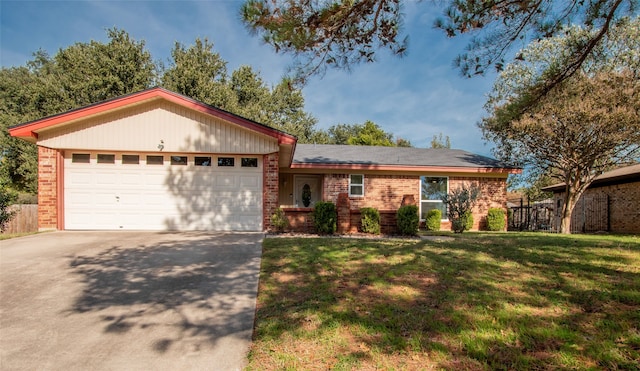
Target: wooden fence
(24, 221)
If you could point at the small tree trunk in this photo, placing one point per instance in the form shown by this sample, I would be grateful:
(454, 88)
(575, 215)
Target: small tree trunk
(570, 199)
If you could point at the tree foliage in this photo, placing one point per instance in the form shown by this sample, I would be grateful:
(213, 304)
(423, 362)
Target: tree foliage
(81, 74)
(327, 33)
(199, 72)
(343, 33)
(459, 205)
(367, 134)
(582, 127)
(439, 142)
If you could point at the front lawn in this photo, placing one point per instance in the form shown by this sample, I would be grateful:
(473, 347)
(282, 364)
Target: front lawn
(479, 301)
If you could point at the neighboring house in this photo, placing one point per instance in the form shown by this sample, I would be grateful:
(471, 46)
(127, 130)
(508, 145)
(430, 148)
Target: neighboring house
(610, 204)
(157, 160)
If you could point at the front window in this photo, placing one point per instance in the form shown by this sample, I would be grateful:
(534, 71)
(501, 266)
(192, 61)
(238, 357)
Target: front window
(431, 191)
(356, 185)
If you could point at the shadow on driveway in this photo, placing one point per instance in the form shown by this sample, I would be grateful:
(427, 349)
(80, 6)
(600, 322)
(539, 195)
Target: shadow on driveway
(140, 301)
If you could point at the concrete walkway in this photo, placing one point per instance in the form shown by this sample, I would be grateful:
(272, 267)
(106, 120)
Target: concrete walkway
(128, 300)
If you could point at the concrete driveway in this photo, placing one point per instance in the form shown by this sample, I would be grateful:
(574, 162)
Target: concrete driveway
(128, 300)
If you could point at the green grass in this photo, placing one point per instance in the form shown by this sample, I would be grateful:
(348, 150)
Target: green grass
(478, 301)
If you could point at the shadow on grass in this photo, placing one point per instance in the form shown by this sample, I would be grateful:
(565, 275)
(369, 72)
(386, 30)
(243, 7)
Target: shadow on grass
(198, 289)
(478, 301)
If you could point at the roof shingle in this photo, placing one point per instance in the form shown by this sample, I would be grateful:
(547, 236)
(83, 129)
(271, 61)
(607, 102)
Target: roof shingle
(391, 156)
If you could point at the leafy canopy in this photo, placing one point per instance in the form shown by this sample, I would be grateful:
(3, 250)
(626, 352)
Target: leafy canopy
(342, 33)
(583, 126)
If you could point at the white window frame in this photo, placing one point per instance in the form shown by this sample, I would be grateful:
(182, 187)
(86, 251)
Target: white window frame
(445, 217)
(356, 184)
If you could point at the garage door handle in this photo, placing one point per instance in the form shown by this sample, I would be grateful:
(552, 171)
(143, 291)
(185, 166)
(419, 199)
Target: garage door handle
(117, 198)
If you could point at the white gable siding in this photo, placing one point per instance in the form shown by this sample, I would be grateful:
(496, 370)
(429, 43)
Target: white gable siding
(142, 127)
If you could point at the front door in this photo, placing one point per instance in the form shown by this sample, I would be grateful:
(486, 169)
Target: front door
(307, 190)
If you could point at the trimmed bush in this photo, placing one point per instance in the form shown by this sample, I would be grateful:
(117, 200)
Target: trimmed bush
(370, 220)
(495, 219)
(433, 220)
(279, 221)
(408, 220)
(468, 220)
(325, 217)
(464, 223)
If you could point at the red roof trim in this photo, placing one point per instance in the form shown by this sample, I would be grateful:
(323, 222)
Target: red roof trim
(30, 129)
(406, 168)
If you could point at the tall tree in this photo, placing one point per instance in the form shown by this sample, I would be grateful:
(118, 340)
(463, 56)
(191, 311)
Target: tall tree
(199, 73)
(81, 74)
(343, 33)
(584, 125)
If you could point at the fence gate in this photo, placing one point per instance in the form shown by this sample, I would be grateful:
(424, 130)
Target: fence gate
(591, 214)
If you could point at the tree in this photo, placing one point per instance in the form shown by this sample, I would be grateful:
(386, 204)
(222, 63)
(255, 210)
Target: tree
(370, 134)
(438, 142)
(367, 134)
(199, 73)
(81, 74)
(459, 205)
(401, 142)
(341, 34)
(582, 127)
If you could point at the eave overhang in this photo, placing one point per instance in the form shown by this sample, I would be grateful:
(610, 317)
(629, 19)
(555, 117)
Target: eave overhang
(29, 131)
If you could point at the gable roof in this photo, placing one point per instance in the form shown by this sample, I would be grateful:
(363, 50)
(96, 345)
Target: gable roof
(620, 175)
(29, 130)
(328, 156)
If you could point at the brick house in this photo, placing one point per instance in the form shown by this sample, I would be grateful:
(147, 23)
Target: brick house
(611, 203)
(157, 160)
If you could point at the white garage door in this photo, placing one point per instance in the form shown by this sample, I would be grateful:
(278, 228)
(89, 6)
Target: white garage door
(162, 192)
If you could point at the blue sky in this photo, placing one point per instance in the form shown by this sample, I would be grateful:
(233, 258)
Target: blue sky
(414, 97)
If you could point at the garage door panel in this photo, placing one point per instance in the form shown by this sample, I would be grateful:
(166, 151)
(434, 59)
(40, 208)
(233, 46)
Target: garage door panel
(147, 197)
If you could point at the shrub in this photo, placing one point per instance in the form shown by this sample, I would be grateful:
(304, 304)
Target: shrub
(370, 220)
(463, 223)
(325, 217)
(279, 221)
(408, 220)
(6, 199)
(459, 204)
(433, 220)
(495, 219)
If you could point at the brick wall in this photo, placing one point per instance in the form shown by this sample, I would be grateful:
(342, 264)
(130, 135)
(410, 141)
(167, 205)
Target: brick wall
(48, 188)
(383, 192)
(493, 193)
(386, 193)
(270, 188)
(623, 209)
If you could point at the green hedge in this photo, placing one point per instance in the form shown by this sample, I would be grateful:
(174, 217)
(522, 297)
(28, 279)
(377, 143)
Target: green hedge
(408, 220)
(279, 221)
(495, 219)
(325, 217)
(370, 220)
(434, 216)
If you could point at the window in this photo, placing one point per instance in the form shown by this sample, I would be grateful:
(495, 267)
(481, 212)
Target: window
(80, 158)
(431, 191)
(356, 185)
(178, 160)
(130, 159)
(226, 161)
(202, 161)
(155, 160)
(249, 162)
(106, 159)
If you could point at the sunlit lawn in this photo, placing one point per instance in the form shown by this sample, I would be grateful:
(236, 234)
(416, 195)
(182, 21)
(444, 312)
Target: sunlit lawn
(480, 301)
